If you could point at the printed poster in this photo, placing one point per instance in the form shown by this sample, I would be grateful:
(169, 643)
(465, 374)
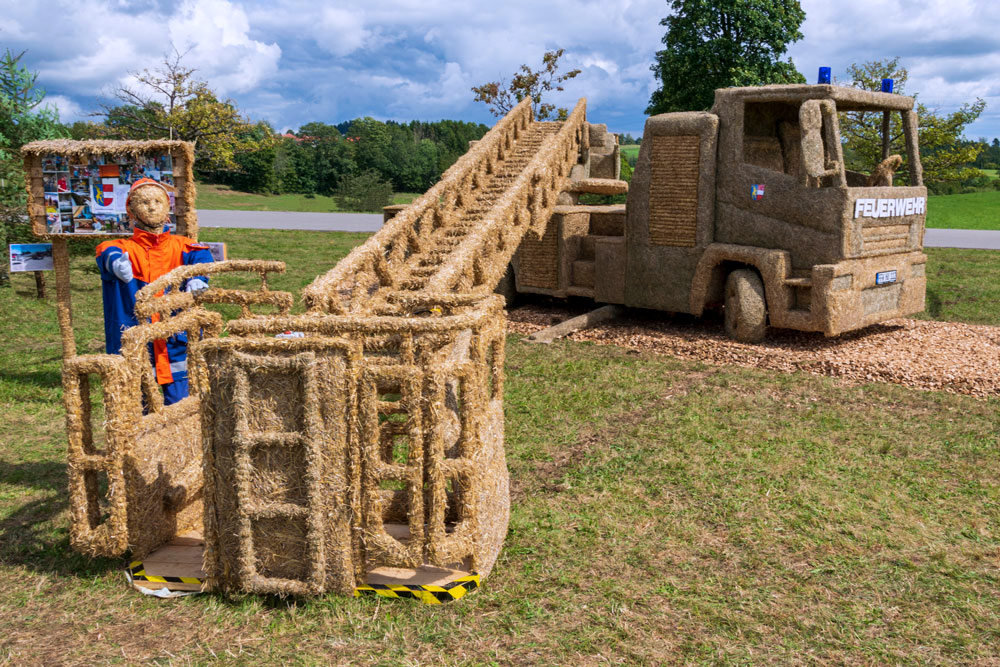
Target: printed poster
(30, 257)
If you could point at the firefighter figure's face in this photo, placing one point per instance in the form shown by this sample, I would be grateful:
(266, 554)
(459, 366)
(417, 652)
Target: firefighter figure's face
(149, 206)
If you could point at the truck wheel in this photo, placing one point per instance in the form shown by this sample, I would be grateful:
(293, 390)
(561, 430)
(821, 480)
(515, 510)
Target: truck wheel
(745, 309)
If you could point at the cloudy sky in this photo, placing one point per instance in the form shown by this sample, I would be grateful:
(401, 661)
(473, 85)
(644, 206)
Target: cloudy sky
(294, 61)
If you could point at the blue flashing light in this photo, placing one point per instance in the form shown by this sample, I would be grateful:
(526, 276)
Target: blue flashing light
(886, 85)
(824, 75)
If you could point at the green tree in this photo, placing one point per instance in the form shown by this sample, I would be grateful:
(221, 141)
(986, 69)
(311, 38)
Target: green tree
(719, 43)
(86, 129)
(372, 141)
(22, 120)
(169, 103)
(945, 156)
(254, 161)
(317, 130)
(501, 97)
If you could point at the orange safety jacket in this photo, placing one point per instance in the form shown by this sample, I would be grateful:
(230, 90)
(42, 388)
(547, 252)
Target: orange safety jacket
(152, 256)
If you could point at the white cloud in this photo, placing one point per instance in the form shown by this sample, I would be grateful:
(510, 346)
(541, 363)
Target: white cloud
(949, 47)
(292, 61)
(99, 44)
(69, 111)
(217, 34)
(339, 31)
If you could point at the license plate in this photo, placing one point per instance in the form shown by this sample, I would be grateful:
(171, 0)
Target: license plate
(885, 277)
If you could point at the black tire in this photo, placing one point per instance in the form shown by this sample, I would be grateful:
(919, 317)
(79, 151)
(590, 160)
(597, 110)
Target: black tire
(746, 308)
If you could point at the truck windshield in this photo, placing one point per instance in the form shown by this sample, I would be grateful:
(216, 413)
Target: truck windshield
(821, 146)
(877, 146)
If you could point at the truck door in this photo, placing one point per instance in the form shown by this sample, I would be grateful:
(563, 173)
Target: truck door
(766, 198)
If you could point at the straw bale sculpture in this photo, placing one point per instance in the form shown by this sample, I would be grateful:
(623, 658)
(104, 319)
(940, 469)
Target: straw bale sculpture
(372, 444)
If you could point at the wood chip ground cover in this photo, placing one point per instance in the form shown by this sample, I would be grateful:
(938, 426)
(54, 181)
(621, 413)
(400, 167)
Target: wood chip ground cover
(948, 356)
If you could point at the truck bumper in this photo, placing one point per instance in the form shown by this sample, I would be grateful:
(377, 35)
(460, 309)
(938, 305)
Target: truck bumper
(857, 293)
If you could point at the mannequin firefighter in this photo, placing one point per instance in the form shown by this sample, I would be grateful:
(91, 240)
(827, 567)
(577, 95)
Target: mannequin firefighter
(128, 265)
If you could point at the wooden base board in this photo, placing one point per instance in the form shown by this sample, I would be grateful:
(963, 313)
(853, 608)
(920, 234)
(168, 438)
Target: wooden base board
(181, 558)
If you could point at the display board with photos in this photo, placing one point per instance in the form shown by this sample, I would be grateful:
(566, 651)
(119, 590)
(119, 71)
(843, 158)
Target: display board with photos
(88, 198)
(83, 190)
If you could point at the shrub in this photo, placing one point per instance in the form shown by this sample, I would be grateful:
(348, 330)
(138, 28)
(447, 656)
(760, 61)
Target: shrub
(364, 192)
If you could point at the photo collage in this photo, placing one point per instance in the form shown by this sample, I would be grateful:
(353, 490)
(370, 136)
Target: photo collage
(90, 198)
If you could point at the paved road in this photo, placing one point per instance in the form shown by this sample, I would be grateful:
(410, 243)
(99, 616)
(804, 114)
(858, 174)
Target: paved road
(962, 238)
(367, 222)
(324, 222)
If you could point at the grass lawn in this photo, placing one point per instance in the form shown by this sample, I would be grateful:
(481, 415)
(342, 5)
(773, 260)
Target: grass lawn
(212, 196)
(962, 286)
(977, 210)
(662, 511)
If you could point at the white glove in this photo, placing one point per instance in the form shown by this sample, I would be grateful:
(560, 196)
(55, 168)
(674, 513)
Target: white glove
(195, 285)
(121, 266)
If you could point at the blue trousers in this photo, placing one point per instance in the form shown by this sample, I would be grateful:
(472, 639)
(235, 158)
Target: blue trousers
(174, 391)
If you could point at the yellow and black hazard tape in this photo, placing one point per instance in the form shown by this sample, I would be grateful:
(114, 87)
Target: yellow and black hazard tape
(453, 590)
(428, 594)
(139, 574)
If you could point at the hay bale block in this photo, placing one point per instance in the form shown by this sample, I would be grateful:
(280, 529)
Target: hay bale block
(600, 186)
(609, 269)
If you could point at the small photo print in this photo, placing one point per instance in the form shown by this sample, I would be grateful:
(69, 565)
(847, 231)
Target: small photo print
(112, 224)
(49, 182)
(65, 202)
(53, 163)
(54, 224)
(167, 179)
(61, 183)
(86, 226)
(164, 163)
(51, 202)
(83, 212)
(30, 257)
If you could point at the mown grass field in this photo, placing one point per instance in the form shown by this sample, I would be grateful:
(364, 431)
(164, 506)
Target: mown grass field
(663, 511)
(980, 210)
(976, 210)
(631, 152)
(213, 196)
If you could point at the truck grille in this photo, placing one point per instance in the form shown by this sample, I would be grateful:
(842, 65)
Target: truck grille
(884, 239)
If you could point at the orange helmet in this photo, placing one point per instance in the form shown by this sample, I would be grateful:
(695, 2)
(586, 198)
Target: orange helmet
(141, 183)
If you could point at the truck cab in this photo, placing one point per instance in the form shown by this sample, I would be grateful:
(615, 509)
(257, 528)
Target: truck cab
(750, 206)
